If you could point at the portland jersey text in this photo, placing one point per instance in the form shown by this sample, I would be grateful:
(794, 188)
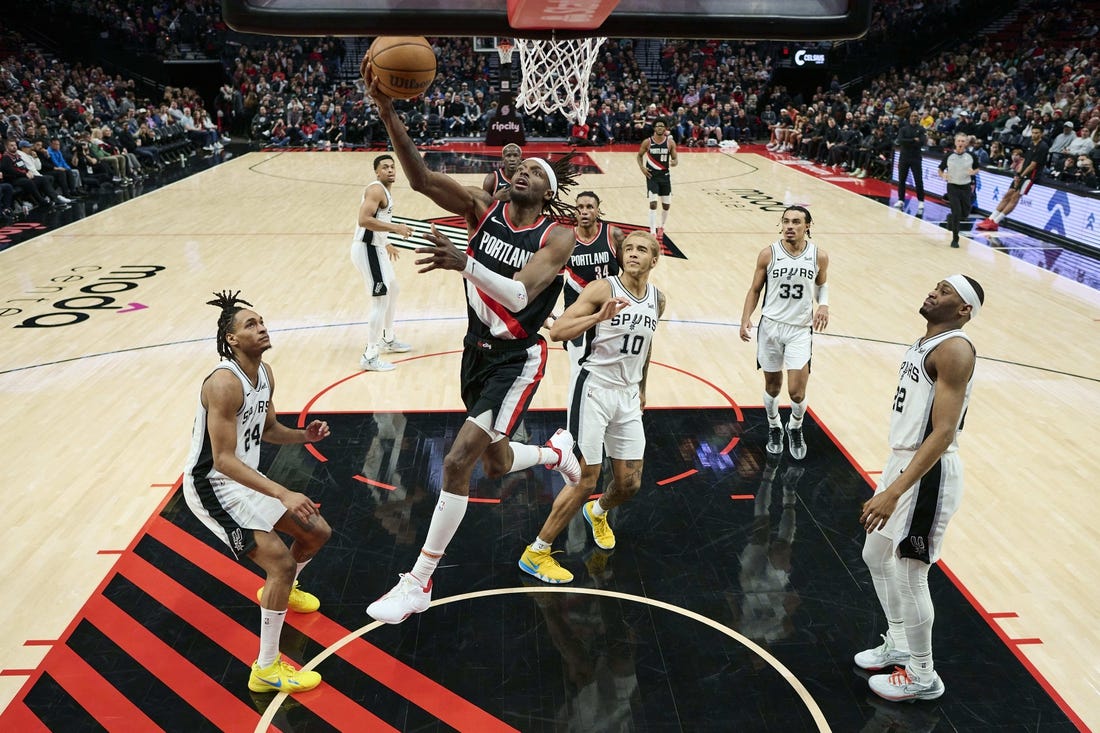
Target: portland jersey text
(591, 260)
(656, 158)
(911, 417)
(789, 286)
(615, 350)
(505, 249)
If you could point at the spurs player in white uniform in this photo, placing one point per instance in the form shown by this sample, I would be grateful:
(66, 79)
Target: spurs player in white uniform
(792, 273)
(906, 518)
(617, 316)
(372, 254)
(239, 504)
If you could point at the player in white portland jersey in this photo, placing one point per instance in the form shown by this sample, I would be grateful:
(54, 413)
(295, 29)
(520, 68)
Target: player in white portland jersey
(373, 255)
(618, 316)
(239, 504)
(920, 490)
(791, 273)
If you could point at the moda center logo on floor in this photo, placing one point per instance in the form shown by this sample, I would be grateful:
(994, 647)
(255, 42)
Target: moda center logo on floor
(74, 295)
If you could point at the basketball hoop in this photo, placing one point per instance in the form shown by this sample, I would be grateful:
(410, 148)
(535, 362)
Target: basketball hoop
(505, 49)
(555, 75)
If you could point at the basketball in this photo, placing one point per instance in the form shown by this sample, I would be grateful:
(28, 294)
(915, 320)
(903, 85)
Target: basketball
(403, 65)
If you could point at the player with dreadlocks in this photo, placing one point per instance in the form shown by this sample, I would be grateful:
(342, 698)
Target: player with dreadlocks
(238, 503)
(517, 250)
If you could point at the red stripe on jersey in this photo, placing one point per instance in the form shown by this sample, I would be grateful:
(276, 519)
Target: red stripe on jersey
(506, 316)
(530, 390)
(576, 279)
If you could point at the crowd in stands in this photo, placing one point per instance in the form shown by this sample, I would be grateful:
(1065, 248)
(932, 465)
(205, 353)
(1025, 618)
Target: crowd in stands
(72, 129)
(1042, 70)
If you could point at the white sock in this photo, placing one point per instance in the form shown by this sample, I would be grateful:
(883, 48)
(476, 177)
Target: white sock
(664, 217)
(652, 221)
(997, 217)
(525, 456)
(448, 514)
(597, 509)
(271, 628)
(301, 565)
(771, 407)
(798, 411)
(922, 665)
(540, 544)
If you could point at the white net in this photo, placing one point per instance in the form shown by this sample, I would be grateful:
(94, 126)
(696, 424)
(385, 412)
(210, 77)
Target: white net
(555, 75)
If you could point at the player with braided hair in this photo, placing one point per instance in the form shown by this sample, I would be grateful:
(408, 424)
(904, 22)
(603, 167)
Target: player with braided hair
(239, 504)
(517, 250)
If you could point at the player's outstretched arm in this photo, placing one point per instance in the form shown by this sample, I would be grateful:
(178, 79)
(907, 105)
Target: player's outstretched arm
(445, 191)
(592, 306)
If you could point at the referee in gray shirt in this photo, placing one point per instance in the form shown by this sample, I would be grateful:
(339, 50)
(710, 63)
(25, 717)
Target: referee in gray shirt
(958, 168)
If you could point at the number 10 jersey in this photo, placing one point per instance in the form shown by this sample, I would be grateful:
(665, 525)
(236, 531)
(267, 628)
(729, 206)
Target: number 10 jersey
(615, 350)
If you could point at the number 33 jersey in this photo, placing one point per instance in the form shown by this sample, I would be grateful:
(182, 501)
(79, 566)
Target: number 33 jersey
(789, 286)
(615, 350)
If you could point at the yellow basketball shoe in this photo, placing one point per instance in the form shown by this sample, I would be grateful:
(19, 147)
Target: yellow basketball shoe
(543, 565)
(281, 677)
(300, 601)
(601, 530)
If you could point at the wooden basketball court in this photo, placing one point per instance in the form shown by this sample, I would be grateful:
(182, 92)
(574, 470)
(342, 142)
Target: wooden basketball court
(107, 339)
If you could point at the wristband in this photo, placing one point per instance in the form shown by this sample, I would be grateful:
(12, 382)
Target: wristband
(823, 294)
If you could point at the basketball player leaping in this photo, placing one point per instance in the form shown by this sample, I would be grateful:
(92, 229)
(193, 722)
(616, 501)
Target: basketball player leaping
(239, 504)
(501, 178)
(792, 272)
(920, 490)
(656, 155)
(616, 318)
(512, 263)
(372, 254)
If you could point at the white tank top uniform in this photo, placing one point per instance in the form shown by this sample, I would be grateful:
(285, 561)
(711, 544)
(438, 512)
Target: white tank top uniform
(368, 250)
(366, 236)
(922, 513)
(604, 405)
(784, 339)
(789, 286)
(229, 509)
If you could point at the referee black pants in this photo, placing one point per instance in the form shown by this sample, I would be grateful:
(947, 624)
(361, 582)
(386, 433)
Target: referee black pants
(958, 200)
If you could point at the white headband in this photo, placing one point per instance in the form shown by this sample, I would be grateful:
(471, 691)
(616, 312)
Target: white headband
(550, 175)
(966, 292)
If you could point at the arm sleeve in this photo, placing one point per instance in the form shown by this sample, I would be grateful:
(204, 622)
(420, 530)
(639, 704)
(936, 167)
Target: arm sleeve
(512, 294)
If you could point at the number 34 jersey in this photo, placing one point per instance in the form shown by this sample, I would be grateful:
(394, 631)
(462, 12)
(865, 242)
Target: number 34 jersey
(615, 350)
(789, 286)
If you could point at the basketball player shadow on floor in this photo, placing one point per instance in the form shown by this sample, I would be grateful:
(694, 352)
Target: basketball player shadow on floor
(764, 608)
(597, 645)
(901, 717)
